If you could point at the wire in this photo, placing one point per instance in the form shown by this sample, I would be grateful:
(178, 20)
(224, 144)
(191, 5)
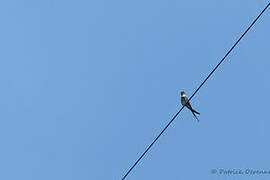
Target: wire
(195, 91)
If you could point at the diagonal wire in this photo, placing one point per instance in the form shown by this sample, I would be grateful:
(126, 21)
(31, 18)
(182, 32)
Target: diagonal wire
(196, 91)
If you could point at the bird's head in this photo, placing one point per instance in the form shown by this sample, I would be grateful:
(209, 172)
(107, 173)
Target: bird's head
(183, 93)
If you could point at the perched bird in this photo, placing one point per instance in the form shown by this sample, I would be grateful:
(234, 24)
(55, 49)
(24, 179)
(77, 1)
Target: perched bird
(184, 102)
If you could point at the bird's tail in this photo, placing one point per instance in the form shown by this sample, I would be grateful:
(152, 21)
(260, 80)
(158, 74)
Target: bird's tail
(195, 115)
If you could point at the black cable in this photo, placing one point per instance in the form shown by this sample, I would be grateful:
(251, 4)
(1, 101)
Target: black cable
(153, 142)
(196, 91)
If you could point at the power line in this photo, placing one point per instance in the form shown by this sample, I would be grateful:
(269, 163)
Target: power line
(196, 91)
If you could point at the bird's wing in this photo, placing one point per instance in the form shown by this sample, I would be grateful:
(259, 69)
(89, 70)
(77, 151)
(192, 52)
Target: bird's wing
(189, 106)
(192, 110)
(195, 111)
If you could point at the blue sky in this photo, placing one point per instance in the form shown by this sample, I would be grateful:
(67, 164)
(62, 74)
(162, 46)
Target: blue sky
(87, 85)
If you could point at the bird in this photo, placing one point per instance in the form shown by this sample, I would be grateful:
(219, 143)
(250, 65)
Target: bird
(185, 102)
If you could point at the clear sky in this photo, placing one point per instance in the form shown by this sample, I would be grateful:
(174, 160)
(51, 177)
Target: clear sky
(87, 85)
